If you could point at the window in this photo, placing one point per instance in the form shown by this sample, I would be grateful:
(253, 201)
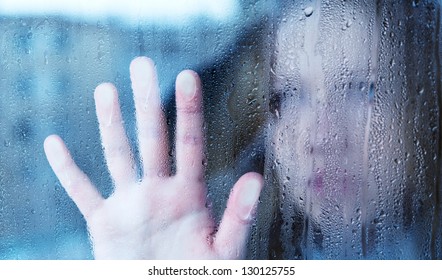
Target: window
(335, 103)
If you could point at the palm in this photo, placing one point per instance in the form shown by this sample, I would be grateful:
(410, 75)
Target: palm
(142, 211)
(160, 216)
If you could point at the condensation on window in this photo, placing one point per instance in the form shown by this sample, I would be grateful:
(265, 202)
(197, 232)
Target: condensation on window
(54, 54)
(353, 151)
(336, 103)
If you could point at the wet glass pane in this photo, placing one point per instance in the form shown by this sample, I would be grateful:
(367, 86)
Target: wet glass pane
(54, 54)
(353, 145)
(335, 103)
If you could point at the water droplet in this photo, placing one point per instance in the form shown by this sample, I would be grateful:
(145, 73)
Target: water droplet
(308, 11)
(7, 143)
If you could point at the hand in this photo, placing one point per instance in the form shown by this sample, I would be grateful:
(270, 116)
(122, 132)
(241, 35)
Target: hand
(161, 216)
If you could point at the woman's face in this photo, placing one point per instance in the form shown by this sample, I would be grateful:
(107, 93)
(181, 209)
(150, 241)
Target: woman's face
(322, 94)
(351, 150)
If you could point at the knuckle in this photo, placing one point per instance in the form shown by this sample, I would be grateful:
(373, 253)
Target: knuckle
(151, 132)
(191, 139)
(114, 151)
(190, 109)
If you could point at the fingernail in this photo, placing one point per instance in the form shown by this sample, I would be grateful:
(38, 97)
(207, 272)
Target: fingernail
(141, 73)
(55, 152)
(105, 99)
(188, 85)
(106, 96)
(248, 198)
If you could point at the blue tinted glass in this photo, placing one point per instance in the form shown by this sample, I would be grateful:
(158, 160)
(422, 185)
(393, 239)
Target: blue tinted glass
(337, 104)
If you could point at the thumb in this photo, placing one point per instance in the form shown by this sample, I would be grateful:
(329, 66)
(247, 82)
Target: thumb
(233, 231)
